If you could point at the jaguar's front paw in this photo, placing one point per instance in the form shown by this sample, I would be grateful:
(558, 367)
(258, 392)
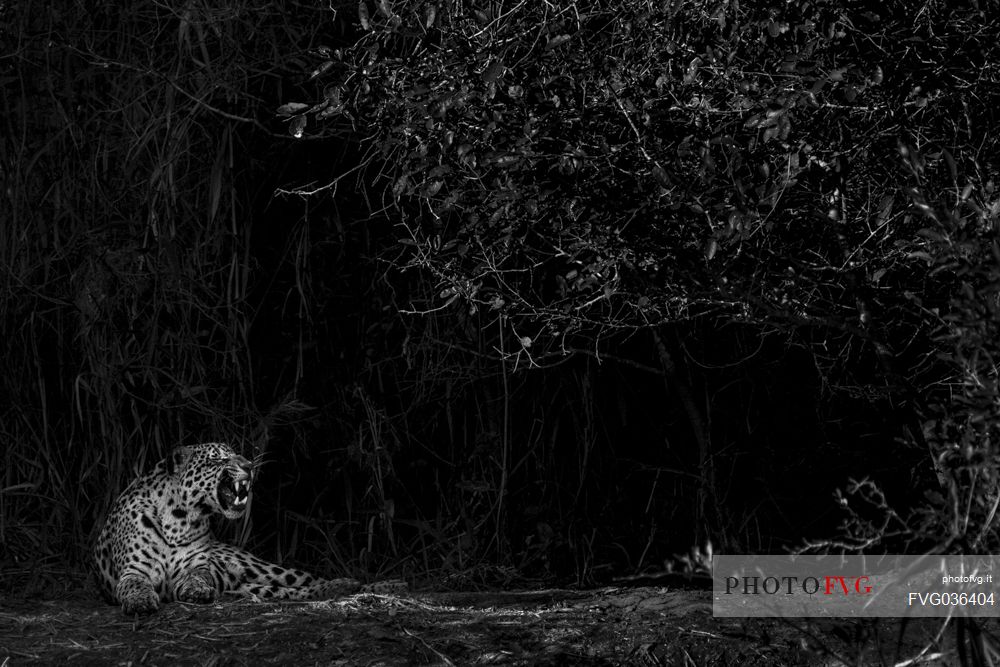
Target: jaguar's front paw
(137, 596)
(196, 587)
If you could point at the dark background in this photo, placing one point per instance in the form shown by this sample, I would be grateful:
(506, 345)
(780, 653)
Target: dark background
(546, 294)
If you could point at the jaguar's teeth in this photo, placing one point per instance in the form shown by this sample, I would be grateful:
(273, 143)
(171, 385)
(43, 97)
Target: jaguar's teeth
(240, 502)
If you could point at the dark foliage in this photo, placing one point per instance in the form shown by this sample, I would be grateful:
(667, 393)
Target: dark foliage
(820, 170)
(547, 288)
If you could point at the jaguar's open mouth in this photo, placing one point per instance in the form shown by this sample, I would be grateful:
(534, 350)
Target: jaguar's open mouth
(233, 492)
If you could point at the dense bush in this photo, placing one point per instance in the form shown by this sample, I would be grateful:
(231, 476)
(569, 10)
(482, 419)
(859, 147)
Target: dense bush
(568, 173)
(624, 164)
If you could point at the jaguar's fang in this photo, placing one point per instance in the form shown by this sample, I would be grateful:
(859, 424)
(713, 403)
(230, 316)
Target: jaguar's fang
(233, 493)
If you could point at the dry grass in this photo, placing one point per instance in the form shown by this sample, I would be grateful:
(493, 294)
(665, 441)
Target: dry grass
(612, 626)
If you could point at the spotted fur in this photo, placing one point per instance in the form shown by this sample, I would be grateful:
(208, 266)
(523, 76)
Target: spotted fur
(157, 545)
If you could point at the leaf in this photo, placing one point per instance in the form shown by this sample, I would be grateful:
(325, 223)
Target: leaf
(952, 167)
(291, 108)
(493, 72)
(400, 186)
(558, 40)
(433, 188)
(885, 208)
(660, 174)
(430, 13)
(332, 93)
(215, 194)
(691, 73)
(330, 111)
(297, 126)
(710, 249)
(920, 254)
(319, 106)
(364, 16)
(319, 71)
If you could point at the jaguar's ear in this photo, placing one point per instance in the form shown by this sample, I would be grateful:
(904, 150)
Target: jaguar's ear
(175, 459)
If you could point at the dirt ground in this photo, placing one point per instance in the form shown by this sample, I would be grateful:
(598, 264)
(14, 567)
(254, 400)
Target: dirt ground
(644, 625)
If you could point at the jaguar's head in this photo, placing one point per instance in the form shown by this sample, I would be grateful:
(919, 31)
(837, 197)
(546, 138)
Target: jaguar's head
(213, 474)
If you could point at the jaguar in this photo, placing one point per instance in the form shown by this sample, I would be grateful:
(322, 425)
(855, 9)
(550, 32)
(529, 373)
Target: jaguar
(157, 544)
